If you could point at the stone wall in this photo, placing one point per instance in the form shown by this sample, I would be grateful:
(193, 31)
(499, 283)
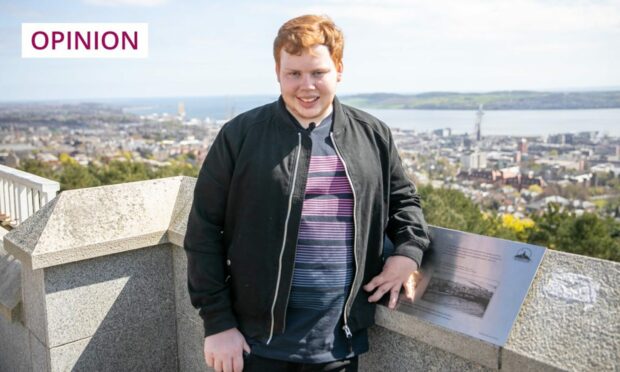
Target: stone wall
(101, 285)
(14, 338)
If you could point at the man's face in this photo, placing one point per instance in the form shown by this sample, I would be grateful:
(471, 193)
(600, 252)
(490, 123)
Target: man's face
(308, 83)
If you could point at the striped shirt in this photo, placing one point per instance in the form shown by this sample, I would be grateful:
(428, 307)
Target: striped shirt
(324, 265)
(324, 257)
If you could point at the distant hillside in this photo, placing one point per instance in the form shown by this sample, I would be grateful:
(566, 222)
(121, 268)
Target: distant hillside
(506, 100)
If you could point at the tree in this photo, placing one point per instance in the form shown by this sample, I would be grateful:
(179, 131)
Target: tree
(75, 176)
(177, 168)
(535, 188)
(556, 229)
(121, 171)
(452, 209)
(39, 168)
(587, 234)
(72, 175)
(520, 227)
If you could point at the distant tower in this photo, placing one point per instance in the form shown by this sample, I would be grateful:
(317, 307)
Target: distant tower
(181, 110)
(523, 146)
(478, 122)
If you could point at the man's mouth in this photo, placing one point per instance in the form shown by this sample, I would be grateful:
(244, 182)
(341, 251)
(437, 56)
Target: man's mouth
(308, 99)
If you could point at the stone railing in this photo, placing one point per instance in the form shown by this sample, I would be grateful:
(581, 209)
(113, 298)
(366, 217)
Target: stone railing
(103, 285)
(22, 194)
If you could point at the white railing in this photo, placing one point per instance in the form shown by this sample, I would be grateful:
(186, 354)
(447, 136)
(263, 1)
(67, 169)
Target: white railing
(23, 193)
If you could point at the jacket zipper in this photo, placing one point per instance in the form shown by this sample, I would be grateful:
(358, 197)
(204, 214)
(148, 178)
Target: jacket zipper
(288, 215)
(345, 327)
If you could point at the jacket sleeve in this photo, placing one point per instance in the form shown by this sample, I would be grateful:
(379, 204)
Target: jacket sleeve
(406, 226)
(204, 245)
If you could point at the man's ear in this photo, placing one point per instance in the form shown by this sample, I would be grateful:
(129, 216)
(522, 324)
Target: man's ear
(277, 73)
(339, 69)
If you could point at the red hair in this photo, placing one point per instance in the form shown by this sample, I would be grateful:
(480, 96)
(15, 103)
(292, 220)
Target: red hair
(301, 33)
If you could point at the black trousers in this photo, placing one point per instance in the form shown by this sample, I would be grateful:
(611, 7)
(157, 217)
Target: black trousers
(255, 363)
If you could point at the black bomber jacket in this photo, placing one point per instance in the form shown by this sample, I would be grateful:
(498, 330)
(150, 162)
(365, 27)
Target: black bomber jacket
(243, 224)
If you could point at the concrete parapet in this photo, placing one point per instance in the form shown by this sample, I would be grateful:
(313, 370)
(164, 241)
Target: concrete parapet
(10, 283)
(14, 341)
(103, 286)
(570, 319)
(393, 351)
(93, 222)
(477, 352)
(98, 290)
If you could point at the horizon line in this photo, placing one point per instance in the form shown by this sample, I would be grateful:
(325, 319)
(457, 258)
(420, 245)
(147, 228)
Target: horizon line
(554, 90)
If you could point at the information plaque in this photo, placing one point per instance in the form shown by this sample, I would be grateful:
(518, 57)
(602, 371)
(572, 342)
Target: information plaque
(473, 284)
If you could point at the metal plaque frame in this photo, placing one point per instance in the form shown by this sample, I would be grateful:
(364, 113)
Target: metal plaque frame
(473, 284)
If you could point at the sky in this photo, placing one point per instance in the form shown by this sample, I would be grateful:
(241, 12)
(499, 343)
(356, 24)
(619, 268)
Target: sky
(213, 47)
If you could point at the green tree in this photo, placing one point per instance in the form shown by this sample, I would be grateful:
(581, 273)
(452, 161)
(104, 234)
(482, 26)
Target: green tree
(452, 209)
(39, 168)
(587, 234)
(177, 168)
(75, 176)
(118, 171)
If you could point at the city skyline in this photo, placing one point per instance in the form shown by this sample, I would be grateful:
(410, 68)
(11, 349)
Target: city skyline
(215, 48)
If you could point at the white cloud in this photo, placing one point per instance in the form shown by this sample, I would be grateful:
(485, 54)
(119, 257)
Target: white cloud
(476, 18)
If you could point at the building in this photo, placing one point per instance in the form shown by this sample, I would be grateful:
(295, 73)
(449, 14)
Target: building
(443, 132)
(475, 160)
(522, 147)
(478, 128)
(561, 139)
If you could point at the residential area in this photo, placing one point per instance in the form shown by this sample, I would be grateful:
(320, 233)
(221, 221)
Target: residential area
(505, 174)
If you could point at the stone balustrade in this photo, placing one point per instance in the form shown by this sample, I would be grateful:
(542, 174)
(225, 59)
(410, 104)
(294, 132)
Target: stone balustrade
(23, 193)
(98, 282)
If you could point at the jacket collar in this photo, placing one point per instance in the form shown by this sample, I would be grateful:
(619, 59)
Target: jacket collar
(284, 116)
(340, 118)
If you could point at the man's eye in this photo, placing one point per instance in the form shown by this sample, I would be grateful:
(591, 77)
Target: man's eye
(319, 73)
(294, 74)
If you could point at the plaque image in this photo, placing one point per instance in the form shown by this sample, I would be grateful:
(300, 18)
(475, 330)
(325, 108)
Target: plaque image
(469, 295)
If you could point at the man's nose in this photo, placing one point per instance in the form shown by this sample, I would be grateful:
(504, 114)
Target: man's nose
(307, 81)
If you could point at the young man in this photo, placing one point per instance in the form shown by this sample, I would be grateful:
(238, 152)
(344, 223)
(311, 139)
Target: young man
(285, 235)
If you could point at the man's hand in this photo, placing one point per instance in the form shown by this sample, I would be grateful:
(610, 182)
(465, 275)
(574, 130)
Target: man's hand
(398, 271)
(224, 351)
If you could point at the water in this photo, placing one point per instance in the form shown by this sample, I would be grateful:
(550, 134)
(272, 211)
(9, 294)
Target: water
(506, 122)
(513, 122)
(216, 108)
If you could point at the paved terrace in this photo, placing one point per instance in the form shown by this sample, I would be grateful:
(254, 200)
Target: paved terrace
(96, 280)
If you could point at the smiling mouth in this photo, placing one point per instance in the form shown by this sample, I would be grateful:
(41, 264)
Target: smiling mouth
(308, 100)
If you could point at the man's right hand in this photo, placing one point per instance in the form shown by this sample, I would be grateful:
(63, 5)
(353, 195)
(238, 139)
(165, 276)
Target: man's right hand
(224, 351)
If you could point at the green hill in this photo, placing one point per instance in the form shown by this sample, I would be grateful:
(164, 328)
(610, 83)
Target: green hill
(505, 100)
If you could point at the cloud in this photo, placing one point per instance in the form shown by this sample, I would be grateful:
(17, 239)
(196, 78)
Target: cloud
(477, 18)
(19, 11)
(144, 3)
